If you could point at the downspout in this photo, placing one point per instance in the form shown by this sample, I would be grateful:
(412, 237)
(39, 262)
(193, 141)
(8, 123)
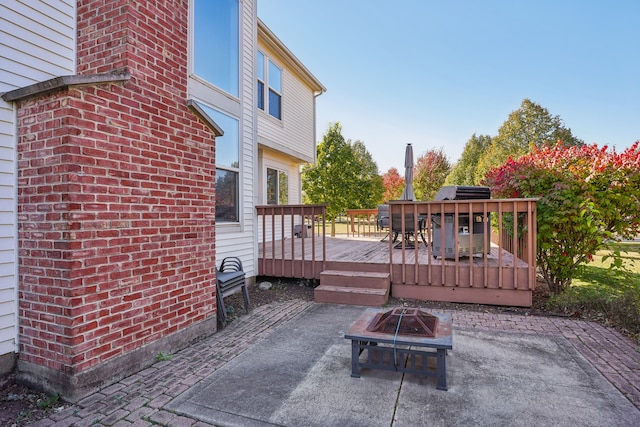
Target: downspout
(316, 94)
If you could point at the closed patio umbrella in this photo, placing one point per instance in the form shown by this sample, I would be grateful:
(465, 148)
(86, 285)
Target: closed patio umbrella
(407, 193)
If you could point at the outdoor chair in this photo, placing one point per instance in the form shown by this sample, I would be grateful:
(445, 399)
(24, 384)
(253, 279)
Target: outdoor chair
(230, 279)
(410, 235)
(382, 220)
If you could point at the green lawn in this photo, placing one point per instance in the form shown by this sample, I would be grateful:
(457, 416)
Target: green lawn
(608, 295)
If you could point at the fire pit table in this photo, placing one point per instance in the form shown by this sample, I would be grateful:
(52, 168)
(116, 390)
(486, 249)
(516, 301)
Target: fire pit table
(401, 339)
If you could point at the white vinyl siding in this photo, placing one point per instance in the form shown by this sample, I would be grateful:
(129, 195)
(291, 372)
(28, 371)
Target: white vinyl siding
(37, 43)
(243, 242)
(269, 159)
(295, 132)
(238, 239)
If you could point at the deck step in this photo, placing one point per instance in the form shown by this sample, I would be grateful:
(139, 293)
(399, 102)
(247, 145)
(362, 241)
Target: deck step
(355, 279)
(351, 295)
(353, 287)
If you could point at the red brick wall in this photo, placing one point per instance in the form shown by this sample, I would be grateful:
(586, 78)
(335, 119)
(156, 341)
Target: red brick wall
(116, 195)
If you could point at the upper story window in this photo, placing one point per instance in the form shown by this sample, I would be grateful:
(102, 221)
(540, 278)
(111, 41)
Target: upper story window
(269, 78)
(261, 80)
(277, 187)
(227, 166)
(216, 43)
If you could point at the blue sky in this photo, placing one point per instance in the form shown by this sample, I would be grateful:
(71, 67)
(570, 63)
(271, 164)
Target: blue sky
(433, 73)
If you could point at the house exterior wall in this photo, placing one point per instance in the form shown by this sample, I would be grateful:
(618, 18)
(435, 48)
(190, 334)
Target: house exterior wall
(37, 44)
(238, 239)
(288, 143)
(294, 135)
(114, 196)
(116, 204)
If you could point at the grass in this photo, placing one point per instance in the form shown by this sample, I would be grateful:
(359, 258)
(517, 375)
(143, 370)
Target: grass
(342, 227)
(611, 296)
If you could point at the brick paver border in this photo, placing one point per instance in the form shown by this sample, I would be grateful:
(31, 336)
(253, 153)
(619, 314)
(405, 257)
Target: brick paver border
(139, 400)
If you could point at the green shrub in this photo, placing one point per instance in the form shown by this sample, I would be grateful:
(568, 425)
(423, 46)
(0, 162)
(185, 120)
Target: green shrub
(588, 196)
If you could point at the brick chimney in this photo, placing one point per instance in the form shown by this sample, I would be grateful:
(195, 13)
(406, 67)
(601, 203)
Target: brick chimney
(116, 204)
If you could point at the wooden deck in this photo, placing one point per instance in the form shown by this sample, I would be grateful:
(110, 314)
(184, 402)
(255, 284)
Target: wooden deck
(496, 277)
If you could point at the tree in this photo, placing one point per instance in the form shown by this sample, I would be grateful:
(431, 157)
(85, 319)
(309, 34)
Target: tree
(429, 173)
(587, 197)
(344, 176)
(367, 183)
(531, 126)
(464, 171)
(393, 185)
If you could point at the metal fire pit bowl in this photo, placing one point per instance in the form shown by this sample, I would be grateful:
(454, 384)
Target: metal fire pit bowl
(405, 321)
(402, 339)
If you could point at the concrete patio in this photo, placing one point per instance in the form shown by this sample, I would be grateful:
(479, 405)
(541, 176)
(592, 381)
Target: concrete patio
(288, 364)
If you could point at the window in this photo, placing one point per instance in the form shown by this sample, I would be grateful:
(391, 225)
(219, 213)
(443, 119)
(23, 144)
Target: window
(216, 43)
(277, 187)
(261, 81)
(272, 80)
(227, 167)
(274, 90)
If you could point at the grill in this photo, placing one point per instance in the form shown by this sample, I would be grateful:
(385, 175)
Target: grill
(458, 192)
(471, 231)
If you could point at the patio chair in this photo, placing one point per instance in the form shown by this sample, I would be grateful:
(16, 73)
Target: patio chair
(382, 220)
(230, 279)
(410, 235)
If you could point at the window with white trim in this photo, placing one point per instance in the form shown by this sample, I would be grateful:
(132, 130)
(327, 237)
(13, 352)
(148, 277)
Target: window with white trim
(277, 187)
(269, 86)
(216, 43)
(227, 166)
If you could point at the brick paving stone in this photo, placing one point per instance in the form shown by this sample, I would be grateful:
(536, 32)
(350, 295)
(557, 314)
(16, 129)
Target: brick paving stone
(93, 399)
(191, 380)
(131, 379)
(140, 423)
(65, 413)
(176, 390)
(115, 402)
(114, 417)
(113, 388)
(160, 401)
(88, 421)
(141, 413)
(89, 411)
(180, 421)
(162, 417)
(137, 400)
(67, 422)
(42, 423)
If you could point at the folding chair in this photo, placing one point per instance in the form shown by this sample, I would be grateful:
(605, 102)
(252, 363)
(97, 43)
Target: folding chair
(230, 279)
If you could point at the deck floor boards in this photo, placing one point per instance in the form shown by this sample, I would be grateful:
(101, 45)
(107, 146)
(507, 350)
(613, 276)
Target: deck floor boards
(373, 251)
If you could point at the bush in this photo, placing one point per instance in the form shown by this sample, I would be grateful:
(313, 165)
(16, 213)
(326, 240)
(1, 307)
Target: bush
(588, 196)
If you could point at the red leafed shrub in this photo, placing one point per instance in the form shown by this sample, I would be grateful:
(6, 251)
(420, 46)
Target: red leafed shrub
(588, 196)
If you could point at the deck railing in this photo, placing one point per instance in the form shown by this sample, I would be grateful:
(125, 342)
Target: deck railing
(457, 230)
(287, 230)
(481, 251)
(364, 223)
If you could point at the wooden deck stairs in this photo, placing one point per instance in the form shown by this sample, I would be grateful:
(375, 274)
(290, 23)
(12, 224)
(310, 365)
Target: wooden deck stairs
(353, 287)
